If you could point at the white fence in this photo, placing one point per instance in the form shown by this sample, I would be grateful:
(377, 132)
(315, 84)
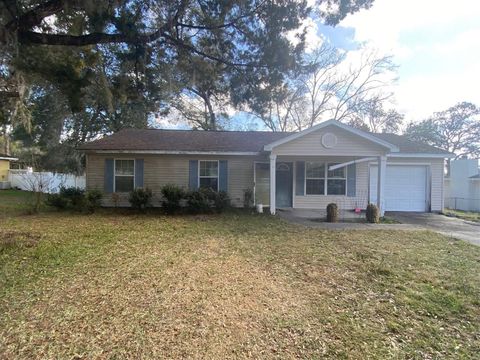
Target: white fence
(465, 204)
(43, 181)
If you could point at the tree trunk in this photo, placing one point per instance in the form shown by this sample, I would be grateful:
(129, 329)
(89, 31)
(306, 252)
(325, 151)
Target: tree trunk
(212, 121)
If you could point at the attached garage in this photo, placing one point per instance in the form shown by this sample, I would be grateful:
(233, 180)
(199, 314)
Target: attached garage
(406, 187)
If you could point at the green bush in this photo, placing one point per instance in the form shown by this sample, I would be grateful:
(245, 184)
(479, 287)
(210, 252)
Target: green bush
(206, 200)
(372, 214)
(172, 196)
(332, 213)
(221, 201)
(200, 201)
(57, 201)
(93, 199)
(140, 199)
(75, 197)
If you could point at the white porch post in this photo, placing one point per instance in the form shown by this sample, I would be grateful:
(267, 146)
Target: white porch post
(273, 170)
(382, 169)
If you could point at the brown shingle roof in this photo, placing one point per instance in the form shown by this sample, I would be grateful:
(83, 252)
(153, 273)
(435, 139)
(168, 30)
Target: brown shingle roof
(219, 141)
(6, 156)
(185, 140)
(408, 146)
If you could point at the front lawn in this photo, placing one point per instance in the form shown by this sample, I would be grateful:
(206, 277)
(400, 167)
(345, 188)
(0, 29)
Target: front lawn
(120, 285)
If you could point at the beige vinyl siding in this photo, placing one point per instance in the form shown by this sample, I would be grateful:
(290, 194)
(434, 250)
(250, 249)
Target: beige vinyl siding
(173, 169)
(436, 167)
(347, 145)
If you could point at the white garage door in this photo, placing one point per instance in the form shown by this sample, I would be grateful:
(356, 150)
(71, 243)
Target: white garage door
(405, 187)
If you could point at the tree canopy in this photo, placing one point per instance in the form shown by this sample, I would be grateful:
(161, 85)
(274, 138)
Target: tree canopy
(456, 129)
(119, 63)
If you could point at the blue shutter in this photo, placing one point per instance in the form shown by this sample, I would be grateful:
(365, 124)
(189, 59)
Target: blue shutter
(138, 173)
(351, 180)
(108, 176)
(300, 178)
(223, 175)
(193, 175)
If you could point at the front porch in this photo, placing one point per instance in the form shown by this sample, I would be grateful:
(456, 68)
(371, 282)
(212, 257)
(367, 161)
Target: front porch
(310, 183)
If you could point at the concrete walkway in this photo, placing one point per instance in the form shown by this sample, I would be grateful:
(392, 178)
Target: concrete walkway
(452, 227)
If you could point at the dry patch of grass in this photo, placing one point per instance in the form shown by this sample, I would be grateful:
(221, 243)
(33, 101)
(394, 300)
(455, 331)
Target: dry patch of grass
(465, 215)
(128, 286)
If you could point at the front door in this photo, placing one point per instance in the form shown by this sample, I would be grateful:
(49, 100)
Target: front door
(284, 182)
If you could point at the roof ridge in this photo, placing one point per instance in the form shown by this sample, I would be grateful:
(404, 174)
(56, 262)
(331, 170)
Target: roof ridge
(212, 131)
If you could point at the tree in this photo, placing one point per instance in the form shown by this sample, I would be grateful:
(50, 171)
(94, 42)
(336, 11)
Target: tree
(67, 42)
(327, 85)
(456, 130)
(374, 118)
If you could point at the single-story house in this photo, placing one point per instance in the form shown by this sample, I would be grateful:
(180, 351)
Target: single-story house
(329, 162)
(4, 169)
(462, 186)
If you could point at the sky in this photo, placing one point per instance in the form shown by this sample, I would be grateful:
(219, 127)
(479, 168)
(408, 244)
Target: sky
(435, 43)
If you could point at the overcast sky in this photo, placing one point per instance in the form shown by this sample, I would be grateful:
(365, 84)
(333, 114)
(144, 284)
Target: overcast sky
(436, 44)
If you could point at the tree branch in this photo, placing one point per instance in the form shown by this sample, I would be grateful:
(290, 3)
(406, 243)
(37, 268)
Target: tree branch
(32, 37)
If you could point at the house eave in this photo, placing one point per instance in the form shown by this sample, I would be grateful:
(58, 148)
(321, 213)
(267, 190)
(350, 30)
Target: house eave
(8, 158)
(169, 152)
(420, 155)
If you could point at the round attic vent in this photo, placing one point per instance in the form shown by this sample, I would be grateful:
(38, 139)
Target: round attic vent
(329, 140)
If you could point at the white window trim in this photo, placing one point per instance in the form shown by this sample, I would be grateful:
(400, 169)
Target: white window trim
(336, 178)
(209, 177)
(325, 178)
(115, 173)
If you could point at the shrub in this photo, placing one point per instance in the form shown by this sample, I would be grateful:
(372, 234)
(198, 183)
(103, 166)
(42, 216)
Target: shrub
(172, 196)
(200, 201)
(140, 199)
(57, 201)
(221, 201)
(372, 214)
(332, 213)
(75, 196)
(248, 198)
(93, 199)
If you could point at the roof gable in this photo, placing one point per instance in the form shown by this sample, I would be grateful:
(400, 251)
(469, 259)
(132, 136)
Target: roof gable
(357, 132)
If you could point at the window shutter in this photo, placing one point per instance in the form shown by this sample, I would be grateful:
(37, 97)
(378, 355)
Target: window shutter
(139, 173)
(108, 176)
(300, 178)
(351, 180)
(223, 175)
(193, 175)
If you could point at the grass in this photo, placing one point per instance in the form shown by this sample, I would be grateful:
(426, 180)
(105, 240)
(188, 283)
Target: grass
(465, 215)
(120, 285)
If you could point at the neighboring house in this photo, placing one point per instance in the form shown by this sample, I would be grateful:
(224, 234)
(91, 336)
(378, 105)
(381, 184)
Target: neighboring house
(4, 168)
(330, 162)
(462, 187)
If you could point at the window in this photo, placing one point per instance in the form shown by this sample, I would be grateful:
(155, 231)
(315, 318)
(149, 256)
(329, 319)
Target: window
(336, 181)
(315, 178)
(124, 175)
(208, 174)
